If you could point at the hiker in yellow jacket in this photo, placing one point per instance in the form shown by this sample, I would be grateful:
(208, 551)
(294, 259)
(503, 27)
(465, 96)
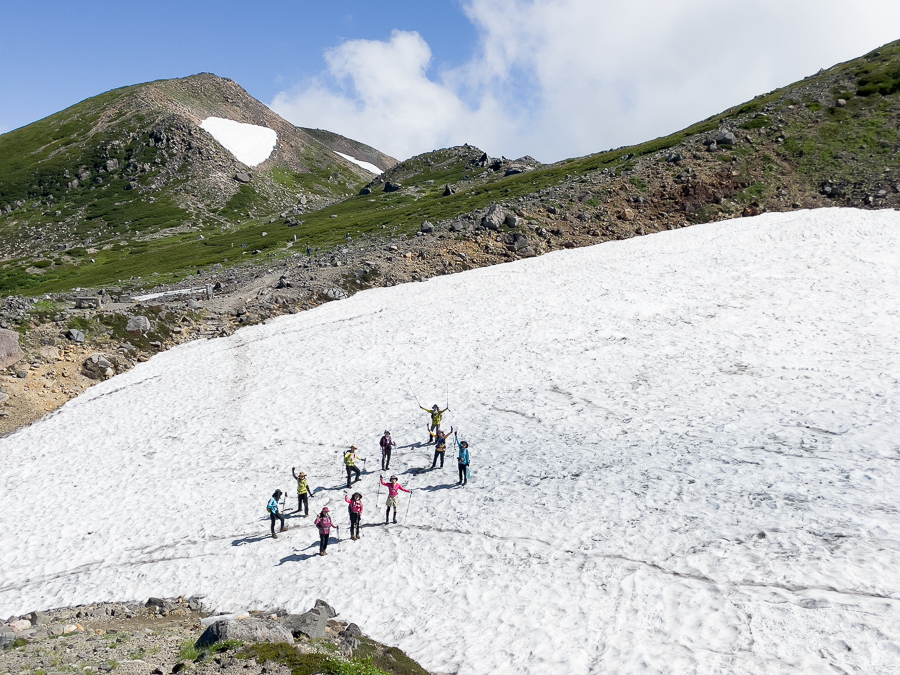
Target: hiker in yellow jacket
(436, 416)
(350, 459)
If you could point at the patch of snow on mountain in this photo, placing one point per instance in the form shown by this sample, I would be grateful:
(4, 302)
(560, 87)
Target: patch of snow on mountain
(368, 166)
(249, 143)
(684, 451)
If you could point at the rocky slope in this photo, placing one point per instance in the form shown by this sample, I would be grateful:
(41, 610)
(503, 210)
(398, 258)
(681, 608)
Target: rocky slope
(164, 636)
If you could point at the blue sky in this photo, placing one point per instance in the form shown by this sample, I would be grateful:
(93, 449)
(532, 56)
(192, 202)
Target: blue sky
(550, 78)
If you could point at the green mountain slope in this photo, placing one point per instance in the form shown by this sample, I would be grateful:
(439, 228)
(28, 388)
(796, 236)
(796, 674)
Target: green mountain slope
(125, 168)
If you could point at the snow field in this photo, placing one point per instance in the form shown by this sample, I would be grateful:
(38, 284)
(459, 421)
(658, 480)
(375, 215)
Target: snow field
(684, 446)
(251, 144)
(368, 166)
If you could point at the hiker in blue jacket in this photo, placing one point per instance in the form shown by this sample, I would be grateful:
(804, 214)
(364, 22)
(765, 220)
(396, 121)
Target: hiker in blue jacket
(275, 513)
(462, 459)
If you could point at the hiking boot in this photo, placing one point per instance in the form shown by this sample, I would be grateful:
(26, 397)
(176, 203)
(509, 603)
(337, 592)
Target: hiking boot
(274, 536)
(283, 528)
(321, 552)
(395, 521)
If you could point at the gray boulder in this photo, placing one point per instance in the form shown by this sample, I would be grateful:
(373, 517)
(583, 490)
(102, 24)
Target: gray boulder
(138, 324)
(427, 227)
(242, 177)
(112, 165)
(7, 640)
(246, 630)
(312, 624)
(38, 618)
(392, 187)
(726, 138)
(351, 631)
(448, 190)
(9, 348)
(494, 218)
(325, 607)
(75, 335)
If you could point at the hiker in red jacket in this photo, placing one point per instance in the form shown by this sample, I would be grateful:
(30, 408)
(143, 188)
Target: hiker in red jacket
(393, 499)
(356, 510)
(324, 523)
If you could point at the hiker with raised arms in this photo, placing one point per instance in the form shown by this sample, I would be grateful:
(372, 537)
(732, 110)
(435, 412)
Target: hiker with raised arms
(274, 512)
(440, 447)
(463, 460)
(393, 499)
(436, 415)
(355, 509)
(386, 444)
(324, 523)
(350, 459)
(303, 491)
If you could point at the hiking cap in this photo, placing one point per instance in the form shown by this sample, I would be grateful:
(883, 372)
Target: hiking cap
(302, 474)
(387, 433)
(324, 509)
(353, 447)
(393, 477)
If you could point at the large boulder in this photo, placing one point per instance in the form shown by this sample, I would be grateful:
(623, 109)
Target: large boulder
(494, 218)
(246, 630)
(137, 325)
(9, 348)
(312, 624)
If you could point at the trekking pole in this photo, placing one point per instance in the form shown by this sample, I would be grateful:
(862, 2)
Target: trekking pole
(377, 494)
(413, 393)
(408, 502)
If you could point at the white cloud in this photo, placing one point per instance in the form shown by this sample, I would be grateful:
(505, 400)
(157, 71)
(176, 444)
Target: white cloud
(557, 78)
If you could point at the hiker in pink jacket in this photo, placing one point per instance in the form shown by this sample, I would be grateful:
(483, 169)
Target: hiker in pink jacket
(356, 509)
(324, 523)
(393, 499)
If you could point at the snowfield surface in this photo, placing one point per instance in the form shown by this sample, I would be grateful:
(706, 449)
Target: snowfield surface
(685, 449)
(368, 166)
(251, 144)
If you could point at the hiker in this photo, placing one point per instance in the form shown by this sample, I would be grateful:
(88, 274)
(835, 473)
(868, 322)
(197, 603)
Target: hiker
(440, 447)
(303, 492)
(436, 415)
(272, 508)
(386, 444)
(393, 499)
(350, 462)
(463, 460)
(355, 509)
(324, 523)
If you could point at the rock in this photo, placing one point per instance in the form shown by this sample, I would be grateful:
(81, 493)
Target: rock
(365, 191)
(4, 397)
(330, 612)
(75, 335)
(712, 147)
(351, 631)
(7, 640)
(335, 293)
(112, 165)
(427, 227)
(194, 304)
(512, 220)
(19, 625)
(456, 226)
(390, 186)
(98, 367)
(246, 630)
(725, 138)
(283, 283)
(9, 348)
(138, 325)
(38, 618)
(626, 214)
(495, 218)
(312, 624)
(242, 177)
(673, 157)
(841, 102)
(448, 191)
